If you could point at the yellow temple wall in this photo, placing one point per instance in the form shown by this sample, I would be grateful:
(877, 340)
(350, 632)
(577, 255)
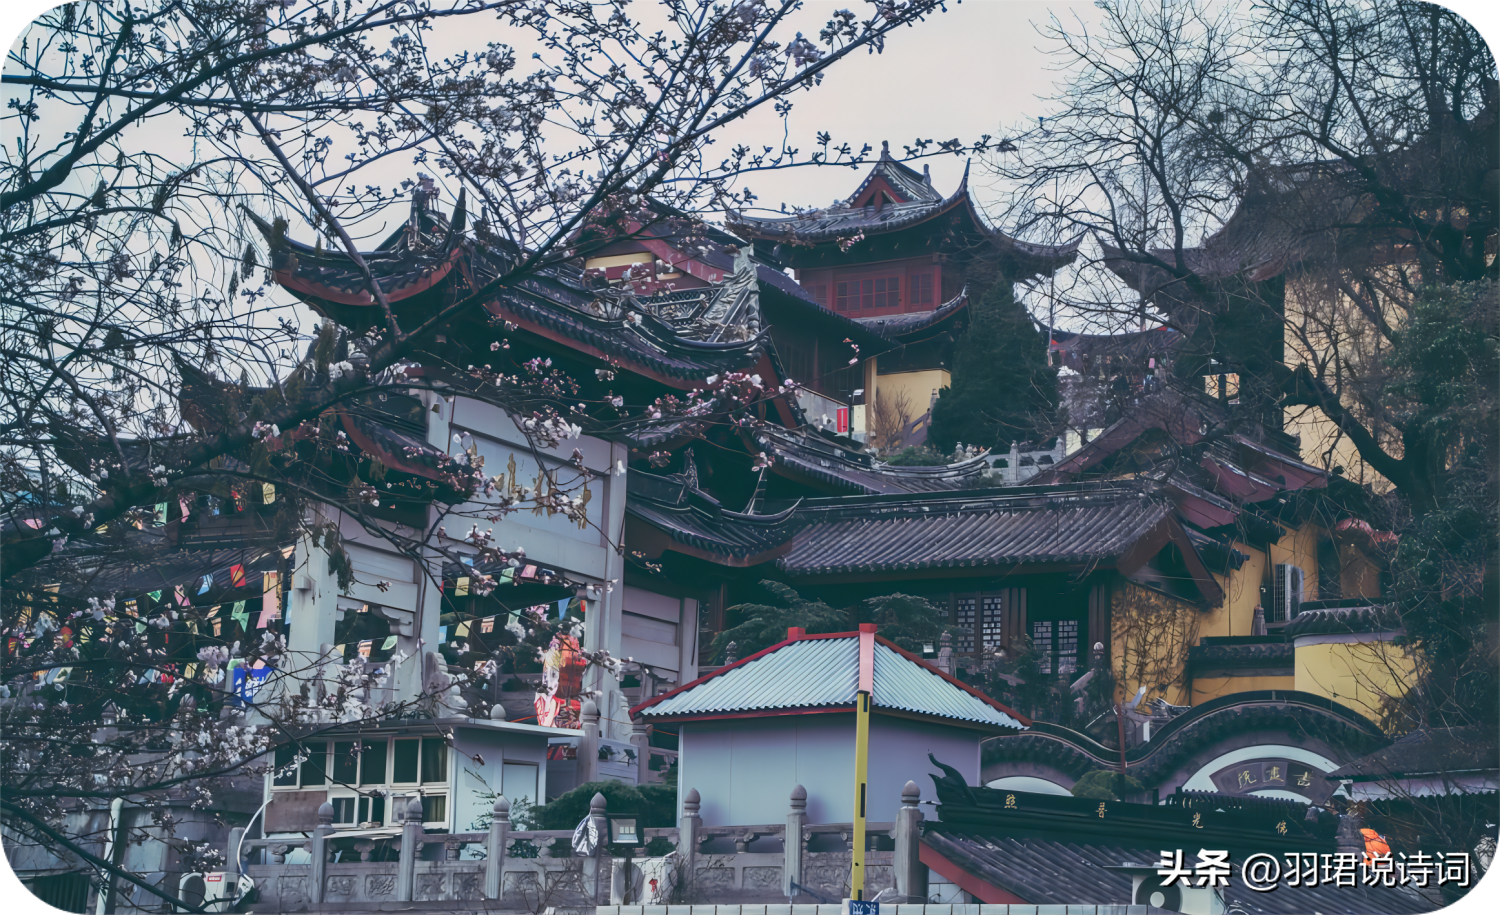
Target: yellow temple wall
(1360, 675)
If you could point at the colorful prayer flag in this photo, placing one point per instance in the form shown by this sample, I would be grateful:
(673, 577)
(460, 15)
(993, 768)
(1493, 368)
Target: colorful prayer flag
(461, 587)
(183, 504)
(487, 625)
(182, 597)
(390, 642)
(562, 608)
(462, 631)
(159, 515)
(154, 596)
(529, 572)
(270, 600)
(208, 583)
(240, 615)
(507, 576)
(365, 647)
(237, 576)
(268, 493)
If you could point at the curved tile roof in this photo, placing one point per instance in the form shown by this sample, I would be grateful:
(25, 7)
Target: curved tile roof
(1066, 528)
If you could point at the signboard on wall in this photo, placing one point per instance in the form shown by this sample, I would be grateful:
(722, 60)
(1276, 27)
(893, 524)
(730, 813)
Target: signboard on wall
(1251, 776)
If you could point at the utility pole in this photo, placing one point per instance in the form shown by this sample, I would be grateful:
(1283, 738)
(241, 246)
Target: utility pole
(865, 693)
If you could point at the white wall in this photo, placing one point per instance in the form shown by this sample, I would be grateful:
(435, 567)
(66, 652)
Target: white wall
(470, 778)
(745, 769)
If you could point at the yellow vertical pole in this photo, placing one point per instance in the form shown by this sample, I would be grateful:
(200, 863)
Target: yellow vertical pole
(861, 780)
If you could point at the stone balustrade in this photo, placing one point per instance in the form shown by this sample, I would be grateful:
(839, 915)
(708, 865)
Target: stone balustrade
(530, 870)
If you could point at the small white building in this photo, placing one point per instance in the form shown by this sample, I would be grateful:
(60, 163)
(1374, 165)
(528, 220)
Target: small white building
(751, 731)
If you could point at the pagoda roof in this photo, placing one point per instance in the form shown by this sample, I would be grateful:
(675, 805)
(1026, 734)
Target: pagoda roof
(822, 673)
(903, 327)
(1235, 467)
(678, 339)
(698, 525)
(916, 203)
(989, 529)
(1425, 752)
(1288, 216)
(1075, 346)
(812, 454)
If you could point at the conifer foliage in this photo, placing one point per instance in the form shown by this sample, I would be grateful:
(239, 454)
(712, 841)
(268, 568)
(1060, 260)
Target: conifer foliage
(1002, 391)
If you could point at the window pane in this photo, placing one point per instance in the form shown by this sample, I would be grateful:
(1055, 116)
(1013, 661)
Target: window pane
(345, 763)
(964, 617)
(343, 810)
(434, 808)
(377, 809)
(519, 781)
(434, 760)
(364, 809)
(372, 763)
(405, 769)
(1041, 642)
(284, 755)
(314, 767)
(1067, 646)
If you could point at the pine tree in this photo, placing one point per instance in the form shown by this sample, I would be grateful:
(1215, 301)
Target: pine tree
(1002, 390)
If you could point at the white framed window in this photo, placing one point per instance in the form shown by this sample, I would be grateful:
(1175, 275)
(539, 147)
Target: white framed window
(361, 774)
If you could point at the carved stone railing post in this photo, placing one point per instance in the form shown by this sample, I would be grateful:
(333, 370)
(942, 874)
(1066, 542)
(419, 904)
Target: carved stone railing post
(593, 867)
(910, 873)
(796, 819)
(588, 742)
(688, 831)
(232, 859)
(640, 736)
(494, 851)
(411, 838)
(319, 850)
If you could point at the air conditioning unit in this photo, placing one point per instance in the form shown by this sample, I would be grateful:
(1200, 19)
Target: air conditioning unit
(1147, 888)
(1286, 593)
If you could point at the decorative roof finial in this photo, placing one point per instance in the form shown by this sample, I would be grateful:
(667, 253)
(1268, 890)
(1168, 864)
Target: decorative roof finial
(885, 149)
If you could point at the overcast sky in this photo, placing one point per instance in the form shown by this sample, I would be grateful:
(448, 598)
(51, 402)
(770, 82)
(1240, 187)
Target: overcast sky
(973, 70)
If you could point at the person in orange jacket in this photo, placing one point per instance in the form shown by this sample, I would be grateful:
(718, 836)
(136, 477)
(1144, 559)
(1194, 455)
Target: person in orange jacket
(1375, 845)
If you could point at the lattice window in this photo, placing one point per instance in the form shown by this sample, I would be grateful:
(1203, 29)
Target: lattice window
(1067, 646)
(1041, 643)
(963, 613)
(921, 289)
(992, 615)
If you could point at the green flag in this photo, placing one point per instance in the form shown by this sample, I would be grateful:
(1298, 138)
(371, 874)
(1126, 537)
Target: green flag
(240, 615)
(390, 642)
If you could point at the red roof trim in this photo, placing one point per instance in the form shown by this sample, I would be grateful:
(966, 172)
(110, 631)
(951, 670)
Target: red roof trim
(985, 891)
(954, 681)
(318, 290)
(635, 710)
(390, 460)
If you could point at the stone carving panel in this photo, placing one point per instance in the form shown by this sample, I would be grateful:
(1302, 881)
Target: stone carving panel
(468, 886)
(379, 887)
(429, 887)
(761, 876)
(339, 886)
(294, 894)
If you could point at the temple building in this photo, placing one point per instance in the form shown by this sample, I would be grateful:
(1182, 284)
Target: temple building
(901, 259)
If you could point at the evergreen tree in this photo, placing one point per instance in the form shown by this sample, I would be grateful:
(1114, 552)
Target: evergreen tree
(1002, 391)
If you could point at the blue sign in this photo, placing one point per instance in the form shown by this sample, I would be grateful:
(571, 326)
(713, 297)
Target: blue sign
(247, 681)
(864, 907)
